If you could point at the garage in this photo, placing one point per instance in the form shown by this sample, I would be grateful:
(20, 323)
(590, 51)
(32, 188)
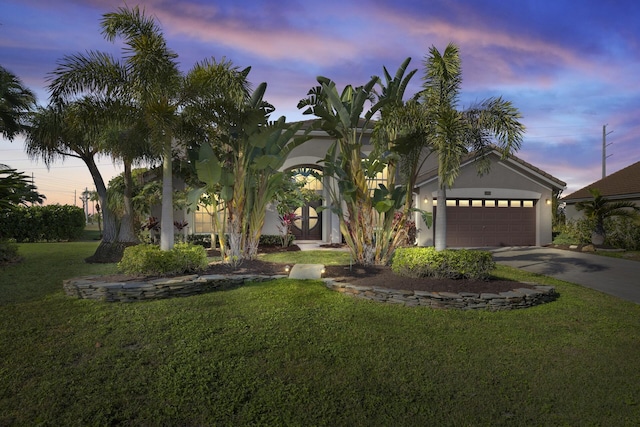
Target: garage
(489, 222)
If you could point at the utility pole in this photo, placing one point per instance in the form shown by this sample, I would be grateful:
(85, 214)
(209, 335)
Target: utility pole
(604, 150)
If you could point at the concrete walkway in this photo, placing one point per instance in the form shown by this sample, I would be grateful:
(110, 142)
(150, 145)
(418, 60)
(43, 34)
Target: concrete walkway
(614, 276)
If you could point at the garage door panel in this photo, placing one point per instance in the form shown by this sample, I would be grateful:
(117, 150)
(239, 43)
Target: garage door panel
(490, 226)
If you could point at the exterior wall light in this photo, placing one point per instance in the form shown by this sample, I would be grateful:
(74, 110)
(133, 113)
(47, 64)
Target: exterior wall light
(286, 268)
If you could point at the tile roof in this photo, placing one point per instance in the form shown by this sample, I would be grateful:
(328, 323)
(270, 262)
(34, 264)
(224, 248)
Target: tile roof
(622, 184)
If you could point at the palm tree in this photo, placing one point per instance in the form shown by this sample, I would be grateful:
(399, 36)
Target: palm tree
(148, 75)
(16, 189)
(601, 208)
(73, 130)
(15, 102)
(171, 108)
(492, 123)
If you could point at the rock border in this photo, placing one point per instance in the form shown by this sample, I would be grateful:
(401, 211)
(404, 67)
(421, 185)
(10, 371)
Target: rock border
(512, 300)
(92, 287)
(95, 288)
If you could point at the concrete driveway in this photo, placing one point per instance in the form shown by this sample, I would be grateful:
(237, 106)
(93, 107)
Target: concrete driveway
(614, 276)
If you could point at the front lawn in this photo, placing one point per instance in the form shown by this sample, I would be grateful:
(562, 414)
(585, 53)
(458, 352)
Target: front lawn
(294, 353)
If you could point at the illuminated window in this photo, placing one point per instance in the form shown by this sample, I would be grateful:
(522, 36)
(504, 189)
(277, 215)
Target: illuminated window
(503, 203)
(463, 203)
(476, 203)
(527, 204)
(490, 203)
(312, 178)
(515, 203)
(451, 202)
(380, 178)
(203, 220)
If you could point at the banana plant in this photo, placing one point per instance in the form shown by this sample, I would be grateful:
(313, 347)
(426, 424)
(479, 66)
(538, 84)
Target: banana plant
(244, 172)
(366, 216)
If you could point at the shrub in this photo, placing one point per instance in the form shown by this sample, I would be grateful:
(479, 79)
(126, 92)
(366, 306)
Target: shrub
(565, 239)
(276, 240)
(447, 264)
(576, 231)
(623, 233)
(43, 223)
(150, 260)
(203, 240)
(8, 251)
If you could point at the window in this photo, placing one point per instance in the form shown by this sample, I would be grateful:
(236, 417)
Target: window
(503, 203)
(476, 203)
(515, 203)
(527, 203)
(463, 203)
(312, 178)
(490, 203)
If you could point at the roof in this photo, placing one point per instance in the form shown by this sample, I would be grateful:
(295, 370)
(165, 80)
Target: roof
(624, 184)
(470, 158)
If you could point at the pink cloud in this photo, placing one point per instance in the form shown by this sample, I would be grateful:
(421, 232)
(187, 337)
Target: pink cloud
(204, 23)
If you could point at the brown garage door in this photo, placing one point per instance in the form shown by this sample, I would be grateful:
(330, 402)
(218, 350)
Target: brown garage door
(476, 223)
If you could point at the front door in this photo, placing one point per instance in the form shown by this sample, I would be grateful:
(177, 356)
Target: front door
(308, 226)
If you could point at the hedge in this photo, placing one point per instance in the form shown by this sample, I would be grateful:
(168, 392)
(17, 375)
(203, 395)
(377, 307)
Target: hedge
(446, 264)
(43, 223)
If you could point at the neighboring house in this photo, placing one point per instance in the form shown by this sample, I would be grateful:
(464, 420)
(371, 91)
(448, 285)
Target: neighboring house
(623, 185)
(509, 206)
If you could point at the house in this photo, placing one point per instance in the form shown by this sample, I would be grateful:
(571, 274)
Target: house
(509, 206)
(623, 185)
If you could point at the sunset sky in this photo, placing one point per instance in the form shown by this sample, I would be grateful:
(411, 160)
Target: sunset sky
(570, 66)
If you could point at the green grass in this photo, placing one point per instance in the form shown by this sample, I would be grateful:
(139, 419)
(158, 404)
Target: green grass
(294, 353)
(630, 255)
(309, 257)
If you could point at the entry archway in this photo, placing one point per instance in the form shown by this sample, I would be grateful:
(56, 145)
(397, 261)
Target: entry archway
(308, 225)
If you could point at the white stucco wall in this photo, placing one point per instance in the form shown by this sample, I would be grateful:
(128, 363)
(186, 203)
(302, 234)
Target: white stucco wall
(507, 180)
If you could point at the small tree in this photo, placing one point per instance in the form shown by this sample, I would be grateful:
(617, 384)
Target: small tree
(16, 189)
(15, 102)
(601, 208)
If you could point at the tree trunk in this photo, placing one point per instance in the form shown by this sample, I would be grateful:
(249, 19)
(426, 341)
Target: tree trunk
(441, 220)
(166, 221)
(108, 251)
(127, 234)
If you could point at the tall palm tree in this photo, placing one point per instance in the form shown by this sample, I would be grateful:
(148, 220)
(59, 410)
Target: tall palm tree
(148, 75)
(15, 102)
(492, 123)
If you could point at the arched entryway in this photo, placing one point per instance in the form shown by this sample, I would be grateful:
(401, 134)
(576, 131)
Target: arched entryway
(308, 225)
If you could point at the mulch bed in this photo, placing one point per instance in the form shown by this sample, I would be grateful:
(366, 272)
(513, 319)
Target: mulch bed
(380, 276)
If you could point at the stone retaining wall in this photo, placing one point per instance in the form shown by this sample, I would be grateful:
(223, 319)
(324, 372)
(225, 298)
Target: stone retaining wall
(518, 298)
(94, 287)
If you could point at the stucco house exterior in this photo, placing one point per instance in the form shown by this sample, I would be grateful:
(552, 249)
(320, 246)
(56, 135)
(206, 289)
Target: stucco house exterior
(509, 206)
(623, 185)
